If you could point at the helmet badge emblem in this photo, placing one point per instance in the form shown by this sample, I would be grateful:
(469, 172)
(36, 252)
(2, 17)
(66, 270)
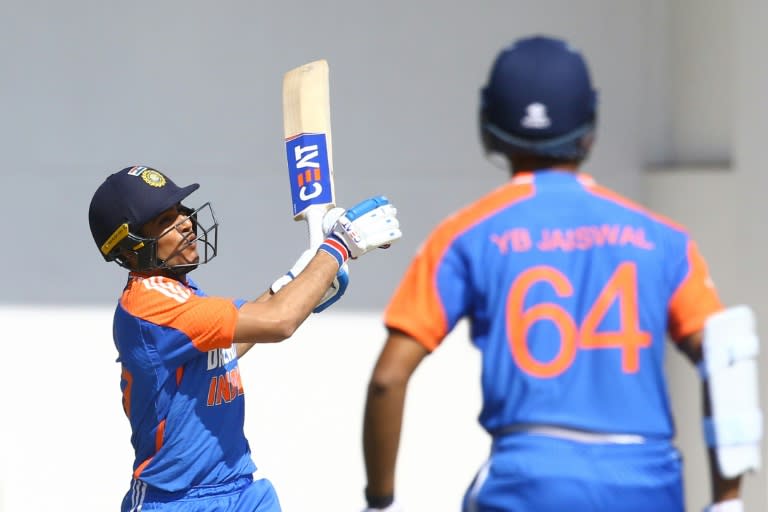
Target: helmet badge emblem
(536, 116)
(153, 178)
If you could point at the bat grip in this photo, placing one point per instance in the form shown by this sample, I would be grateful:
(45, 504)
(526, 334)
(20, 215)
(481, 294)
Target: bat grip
(315, 226)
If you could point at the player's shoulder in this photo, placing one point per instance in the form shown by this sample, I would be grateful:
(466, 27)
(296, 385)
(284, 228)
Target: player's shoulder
(622, 201)
(514, 191)
(146, 294)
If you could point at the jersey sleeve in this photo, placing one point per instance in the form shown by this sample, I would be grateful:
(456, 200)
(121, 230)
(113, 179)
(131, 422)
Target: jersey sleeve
(437, 289)
(694, 298)
(181, 323)
(192, 284)
(431, 298)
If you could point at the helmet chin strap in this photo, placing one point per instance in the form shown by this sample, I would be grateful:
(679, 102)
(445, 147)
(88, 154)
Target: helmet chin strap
(179, 271)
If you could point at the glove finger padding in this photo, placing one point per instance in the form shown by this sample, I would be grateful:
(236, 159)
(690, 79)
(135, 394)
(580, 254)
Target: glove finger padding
(370, 224)
(381, 227)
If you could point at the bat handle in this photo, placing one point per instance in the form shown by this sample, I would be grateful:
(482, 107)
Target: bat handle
(315, 226)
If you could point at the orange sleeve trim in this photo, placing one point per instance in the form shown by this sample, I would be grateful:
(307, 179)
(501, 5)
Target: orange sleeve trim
(422, 337)
(694, 300)
(416, 308)
(208, 321)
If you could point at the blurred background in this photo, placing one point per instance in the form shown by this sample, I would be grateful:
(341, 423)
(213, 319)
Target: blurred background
(193, 88)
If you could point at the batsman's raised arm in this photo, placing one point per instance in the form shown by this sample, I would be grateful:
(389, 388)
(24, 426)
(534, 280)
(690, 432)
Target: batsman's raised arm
(314, 280)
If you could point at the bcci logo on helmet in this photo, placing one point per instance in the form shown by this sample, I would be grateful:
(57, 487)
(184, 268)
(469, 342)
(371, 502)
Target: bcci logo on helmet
(151, 177)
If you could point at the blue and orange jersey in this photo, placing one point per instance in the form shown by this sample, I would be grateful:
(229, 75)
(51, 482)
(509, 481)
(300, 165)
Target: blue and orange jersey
(182, 390)
(570, 290)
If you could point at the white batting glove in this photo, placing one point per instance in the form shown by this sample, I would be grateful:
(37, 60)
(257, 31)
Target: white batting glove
(370, 224)
(334, 292)
(734, 505)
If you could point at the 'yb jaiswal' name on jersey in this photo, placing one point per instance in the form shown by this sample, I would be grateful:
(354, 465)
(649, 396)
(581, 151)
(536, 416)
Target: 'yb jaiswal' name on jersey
(228, 386)
(580, 238)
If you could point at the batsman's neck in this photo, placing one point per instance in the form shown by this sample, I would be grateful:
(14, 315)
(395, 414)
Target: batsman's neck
(530, 163)
(165, 272)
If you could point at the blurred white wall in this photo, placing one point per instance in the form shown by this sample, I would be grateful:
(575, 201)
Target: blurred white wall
(65, 442)
(193, 87)
(64, 427)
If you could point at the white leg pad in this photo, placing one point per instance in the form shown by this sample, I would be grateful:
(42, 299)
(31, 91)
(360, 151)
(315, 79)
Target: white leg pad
(729, 365)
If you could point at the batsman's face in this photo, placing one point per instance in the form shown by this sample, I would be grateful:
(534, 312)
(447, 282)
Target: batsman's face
(175, 234)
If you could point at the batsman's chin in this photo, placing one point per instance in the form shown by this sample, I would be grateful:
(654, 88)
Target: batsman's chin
(186, 262)
(193, 263)
(190, 255)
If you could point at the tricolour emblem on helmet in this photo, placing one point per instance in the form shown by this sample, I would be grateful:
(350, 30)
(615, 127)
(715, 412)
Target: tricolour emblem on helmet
(153, 178)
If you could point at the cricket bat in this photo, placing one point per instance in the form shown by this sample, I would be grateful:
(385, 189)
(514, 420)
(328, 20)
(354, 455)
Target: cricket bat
(307, 131)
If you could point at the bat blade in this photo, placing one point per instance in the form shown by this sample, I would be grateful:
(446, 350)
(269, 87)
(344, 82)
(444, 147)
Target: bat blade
(307, 132)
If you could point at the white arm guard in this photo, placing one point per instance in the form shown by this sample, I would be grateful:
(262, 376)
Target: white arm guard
(729, 365)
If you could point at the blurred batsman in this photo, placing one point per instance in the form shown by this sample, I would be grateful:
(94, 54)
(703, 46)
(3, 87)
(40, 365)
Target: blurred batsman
(570, 290)
(179, 348)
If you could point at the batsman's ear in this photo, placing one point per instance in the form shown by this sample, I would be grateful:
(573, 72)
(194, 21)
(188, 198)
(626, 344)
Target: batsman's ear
(127, 259)
(489, 142)
(588, 140)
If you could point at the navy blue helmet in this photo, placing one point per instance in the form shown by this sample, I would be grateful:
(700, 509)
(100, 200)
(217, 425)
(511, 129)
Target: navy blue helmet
(128, 199)
(539, 100)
